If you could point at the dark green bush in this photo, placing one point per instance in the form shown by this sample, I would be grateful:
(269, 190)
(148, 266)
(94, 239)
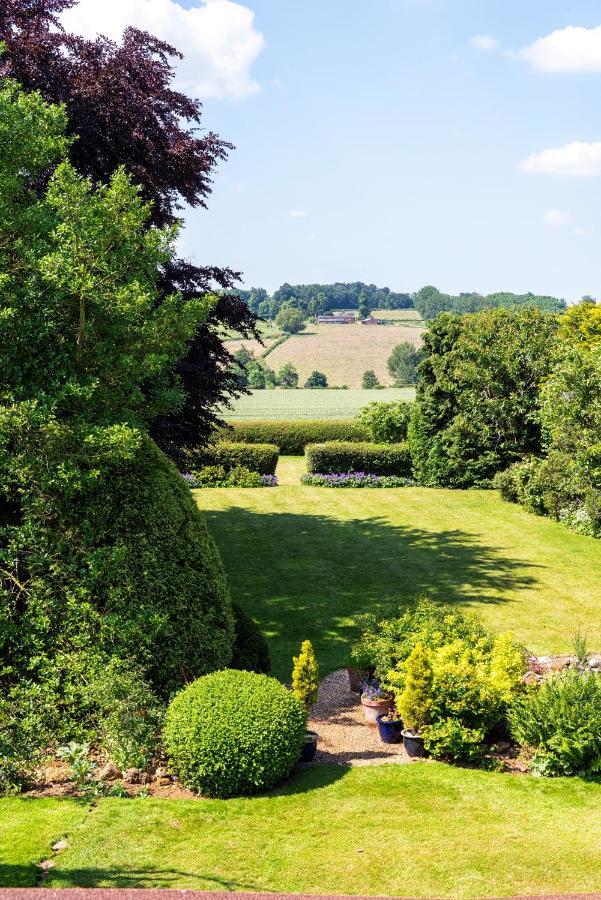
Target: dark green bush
(250, 647)
(292, 436)
(127, 570)
(234, 733)
(259, 458)
(24, 735)
(561, 722)
(376, 459)
(387, 423)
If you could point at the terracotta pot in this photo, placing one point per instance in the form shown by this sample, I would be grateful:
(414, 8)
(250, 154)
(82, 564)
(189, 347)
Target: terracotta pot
(374, 708)
(354, 677)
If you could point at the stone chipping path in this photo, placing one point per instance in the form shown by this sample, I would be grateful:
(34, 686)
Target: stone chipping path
(344, 735)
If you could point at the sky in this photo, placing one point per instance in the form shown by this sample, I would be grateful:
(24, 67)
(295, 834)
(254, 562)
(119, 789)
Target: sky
(396, 142)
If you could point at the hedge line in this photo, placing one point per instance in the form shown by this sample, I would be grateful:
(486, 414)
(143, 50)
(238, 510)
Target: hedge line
(260, 458)
(376, 459)
(291, 435)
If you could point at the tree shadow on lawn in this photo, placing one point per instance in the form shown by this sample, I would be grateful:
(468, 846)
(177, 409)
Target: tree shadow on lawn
(309, 576)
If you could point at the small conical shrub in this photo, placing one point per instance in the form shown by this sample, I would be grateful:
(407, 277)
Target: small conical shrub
(416, 699)
(305, 675)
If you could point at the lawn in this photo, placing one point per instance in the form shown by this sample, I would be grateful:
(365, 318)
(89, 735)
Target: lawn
(305, 562)
(344, 352)
(307, 404)
(419, 830)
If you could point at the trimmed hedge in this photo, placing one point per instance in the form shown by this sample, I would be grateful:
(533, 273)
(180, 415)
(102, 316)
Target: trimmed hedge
(260, 458)
(336, 457)
(291, 435)
(251, 652)
(234, 733)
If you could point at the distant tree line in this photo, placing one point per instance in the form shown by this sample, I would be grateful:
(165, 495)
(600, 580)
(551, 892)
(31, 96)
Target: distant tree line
(316, 299)
(429, 302)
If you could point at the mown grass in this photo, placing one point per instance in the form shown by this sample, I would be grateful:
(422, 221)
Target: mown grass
(423, 830)
(308, 404)
(28, 828)
(305, 562)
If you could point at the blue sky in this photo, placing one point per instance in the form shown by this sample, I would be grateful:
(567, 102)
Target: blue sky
(378, 141)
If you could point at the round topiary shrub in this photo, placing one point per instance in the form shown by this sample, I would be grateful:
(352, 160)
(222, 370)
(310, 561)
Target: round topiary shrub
(232, 733)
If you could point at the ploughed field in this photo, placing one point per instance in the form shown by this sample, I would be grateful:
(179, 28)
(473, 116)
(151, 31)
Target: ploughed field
(306, 562)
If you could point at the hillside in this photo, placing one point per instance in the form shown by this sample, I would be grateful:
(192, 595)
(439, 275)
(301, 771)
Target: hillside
(341, 352)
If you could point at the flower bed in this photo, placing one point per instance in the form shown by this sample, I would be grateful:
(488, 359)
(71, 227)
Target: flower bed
(217, 476)
(355, 480)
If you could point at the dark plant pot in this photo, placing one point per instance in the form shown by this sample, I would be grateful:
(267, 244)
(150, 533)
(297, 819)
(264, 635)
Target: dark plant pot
(390, 732)
(354, 677)
(414, 745)
(309, 747)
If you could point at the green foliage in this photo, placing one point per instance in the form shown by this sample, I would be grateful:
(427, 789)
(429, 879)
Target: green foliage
(415, 701)
(293, 435)
(370, 380)
(288, 376)
(334, 457)
(305, 676)
(450, 739)
(388, 423)
(129, 715)
(316, 380)
(256, 457)
(234, 733)
(430, 302)
(478, 398)
(580, 325)
(290, 320)
(403, 363)
(218, 476)
(24, 735)
(250, 647)
(560, 721)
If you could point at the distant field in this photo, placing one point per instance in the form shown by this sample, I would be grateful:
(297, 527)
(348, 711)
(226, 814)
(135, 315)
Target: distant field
(400, 315)
(305, 404)
(343, 352)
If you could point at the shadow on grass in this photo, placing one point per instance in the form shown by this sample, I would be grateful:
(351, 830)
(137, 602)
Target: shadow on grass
(308, 576)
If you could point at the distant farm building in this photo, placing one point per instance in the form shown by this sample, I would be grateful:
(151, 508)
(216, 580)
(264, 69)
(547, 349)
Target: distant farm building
(371, 321)
(342, 319)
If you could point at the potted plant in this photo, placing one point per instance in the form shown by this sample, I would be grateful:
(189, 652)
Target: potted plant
(375, 700)
(415, 700)
(390, 726)
(305, 686)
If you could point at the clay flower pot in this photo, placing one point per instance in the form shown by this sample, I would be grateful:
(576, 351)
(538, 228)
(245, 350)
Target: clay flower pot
(374, 708)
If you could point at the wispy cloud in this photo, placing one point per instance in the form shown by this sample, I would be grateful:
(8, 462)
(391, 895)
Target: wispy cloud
(298, 214)
(558, 217)
(483, 42)
(570, 49)
(217, 37)
(578, 158)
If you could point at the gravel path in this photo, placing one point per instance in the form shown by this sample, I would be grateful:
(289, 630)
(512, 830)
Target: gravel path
(344, 735)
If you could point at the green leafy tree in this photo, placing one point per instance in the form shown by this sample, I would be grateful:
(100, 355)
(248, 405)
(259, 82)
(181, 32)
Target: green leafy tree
(478, 398)
(370, 380)
(316, 380)
(403, 363)
(388, 423)
(290, 320)
(305, 676)
(288, 376)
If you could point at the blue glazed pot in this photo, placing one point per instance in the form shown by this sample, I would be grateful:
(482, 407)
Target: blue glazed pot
(390, 732)
(309, 747)
(414, 745)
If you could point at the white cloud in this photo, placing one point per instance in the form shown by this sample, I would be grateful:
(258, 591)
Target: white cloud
(298, 214)
(571, 49)
(558, 217)
(484, 42)
(217, 37)
(578, 158)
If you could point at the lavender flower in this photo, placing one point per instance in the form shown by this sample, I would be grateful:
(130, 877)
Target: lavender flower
(355, 479)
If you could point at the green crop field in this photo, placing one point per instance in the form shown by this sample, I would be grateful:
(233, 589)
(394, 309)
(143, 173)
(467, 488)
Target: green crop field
(305, 562)
(306, 404)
